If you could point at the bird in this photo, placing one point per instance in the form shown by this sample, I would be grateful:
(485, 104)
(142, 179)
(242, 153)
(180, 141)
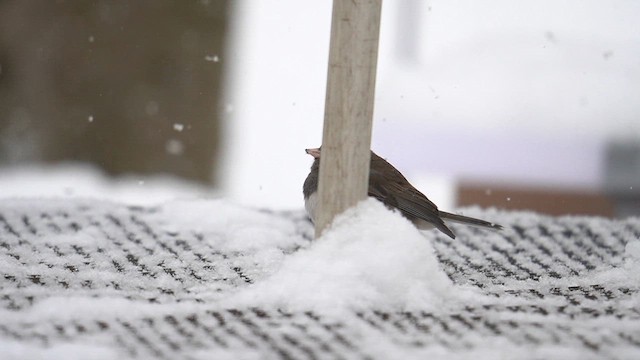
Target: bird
(390, 187)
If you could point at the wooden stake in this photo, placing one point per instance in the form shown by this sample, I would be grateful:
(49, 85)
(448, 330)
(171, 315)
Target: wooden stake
(346, 138)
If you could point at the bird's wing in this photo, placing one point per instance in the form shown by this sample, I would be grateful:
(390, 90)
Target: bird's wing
(411, 202)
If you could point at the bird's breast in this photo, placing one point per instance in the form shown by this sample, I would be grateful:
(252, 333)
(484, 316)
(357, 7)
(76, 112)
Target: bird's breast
(310, 205)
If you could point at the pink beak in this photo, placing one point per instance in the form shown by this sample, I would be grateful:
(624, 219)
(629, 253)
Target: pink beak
(313, 152)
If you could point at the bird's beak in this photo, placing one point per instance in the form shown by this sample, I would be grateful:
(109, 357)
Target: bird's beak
(313, 152)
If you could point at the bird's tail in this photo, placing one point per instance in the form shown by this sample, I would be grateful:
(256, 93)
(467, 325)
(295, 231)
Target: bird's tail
(469, 220)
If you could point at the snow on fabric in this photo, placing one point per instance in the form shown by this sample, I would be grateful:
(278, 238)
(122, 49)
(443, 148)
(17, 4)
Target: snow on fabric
(200, 278)
(370, 257)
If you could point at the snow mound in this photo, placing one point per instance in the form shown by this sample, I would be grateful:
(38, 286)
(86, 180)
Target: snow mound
(369, 257)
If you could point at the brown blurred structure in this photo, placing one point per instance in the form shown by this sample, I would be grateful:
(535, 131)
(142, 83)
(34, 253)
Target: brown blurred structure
(546, 201)
(134, 87)
(619, 196)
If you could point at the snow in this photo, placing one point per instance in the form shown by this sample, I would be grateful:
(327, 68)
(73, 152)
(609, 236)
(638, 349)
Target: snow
(369, 258)
(212, 58)
(71, 180)
(632, 251)
(70, 351)
(229, 226)
(174, 147)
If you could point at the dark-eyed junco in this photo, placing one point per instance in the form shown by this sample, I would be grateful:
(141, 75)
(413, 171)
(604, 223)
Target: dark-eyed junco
(388, 185)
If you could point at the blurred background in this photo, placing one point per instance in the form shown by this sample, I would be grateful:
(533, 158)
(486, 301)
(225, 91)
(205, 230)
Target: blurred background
(518, 105)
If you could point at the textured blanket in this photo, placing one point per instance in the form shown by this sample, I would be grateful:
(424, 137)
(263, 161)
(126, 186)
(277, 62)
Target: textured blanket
(90, 279)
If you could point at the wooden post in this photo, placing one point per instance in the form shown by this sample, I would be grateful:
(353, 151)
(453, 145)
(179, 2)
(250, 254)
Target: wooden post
(346, 138)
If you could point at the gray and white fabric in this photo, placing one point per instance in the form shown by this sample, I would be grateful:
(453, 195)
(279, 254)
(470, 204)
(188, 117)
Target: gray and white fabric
(89, 279)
